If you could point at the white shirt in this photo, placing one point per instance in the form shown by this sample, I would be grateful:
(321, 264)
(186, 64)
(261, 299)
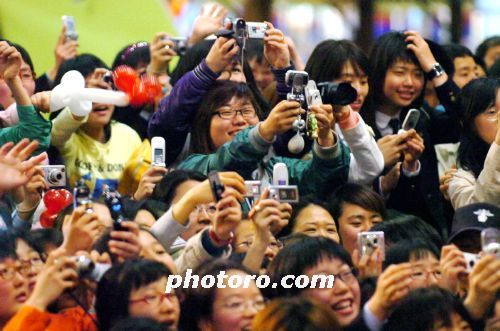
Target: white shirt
(382, 121)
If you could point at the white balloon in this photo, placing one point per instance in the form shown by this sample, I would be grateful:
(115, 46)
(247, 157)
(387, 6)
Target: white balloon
(296, 144)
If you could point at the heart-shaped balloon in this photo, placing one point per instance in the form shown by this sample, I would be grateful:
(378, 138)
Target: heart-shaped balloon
(152, 87)
(53, 200)
(67, 198)
(125, 78)
(138, 97)
(48, 219)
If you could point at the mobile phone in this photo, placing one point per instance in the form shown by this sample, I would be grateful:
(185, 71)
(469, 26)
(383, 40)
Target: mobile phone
(411, 120)
(470, 260)
(158, 151)
(490, 241)
(369, 241)
(216, 185)
(82, 197)
(69, 23)
(284, 193)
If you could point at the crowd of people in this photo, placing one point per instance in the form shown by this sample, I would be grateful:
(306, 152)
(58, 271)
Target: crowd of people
(431, 189)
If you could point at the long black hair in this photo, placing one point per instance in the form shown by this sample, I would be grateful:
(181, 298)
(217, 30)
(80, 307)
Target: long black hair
(330, 56)
(477, 96)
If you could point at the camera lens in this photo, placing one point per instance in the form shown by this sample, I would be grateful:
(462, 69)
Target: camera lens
(55, 176)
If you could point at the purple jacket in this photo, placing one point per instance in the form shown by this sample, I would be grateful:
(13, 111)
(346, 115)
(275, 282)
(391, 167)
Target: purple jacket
(172, 120)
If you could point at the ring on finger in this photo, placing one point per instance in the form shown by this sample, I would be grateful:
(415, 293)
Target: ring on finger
(167, 47)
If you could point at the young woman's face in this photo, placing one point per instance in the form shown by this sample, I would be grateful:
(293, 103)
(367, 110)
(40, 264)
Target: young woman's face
(27, 80)
(233, 72)
(101, 113)
(29, 257)
(491, 56)
(486, 122)
(353, 220)
(262, 73)
(425, 272)
(314, 221)
(244, 237)
(150, 301)
(344, 298)
(153, 250)
(234, 308)
(223, 130)
(403, 84)
(359, 82)
(13, 288)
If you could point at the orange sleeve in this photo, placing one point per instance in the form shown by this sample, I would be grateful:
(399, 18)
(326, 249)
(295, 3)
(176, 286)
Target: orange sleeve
(32, 319)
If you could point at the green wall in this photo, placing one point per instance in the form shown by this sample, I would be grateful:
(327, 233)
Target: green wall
(104, 26)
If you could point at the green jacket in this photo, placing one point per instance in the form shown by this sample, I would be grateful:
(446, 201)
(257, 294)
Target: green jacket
(31, 125)
(248, 151)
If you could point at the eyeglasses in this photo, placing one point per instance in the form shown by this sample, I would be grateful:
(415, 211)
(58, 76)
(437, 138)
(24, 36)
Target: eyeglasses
(34, 262)
(229, 114)
(209, 209)
(239, 306)
(347, 276)
(422, 274)
(156, 299)
(273, 245)
(8, 271)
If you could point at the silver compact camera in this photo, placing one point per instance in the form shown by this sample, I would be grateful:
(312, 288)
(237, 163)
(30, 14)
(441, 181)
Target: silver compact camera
(247, 30)
(55, 175)
(490, 241)
(284, 193)
(470, 260)
(369, 241)
(252, 188)
(86, 268)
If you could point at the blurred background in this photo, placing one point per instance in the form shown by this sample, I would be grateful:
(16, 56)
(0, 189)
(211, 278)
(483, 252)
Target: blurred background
(105, 26)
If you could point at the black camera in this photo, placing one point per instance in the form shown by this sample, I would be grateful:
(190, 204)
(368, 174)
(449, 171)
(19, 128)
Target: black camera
(216, 185)
(337, 94)
(181, 44)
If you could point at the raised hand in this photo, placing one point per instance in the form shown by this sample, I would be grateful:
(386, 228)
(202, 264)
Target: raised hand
(221, 54)
(208, 22)
(280, 119)
(162, 52)
(275, 48)
(148, 181)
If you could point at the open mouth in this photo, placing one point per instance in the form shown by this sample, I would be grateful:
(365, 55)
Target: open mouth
(22, 297)
(100, 108)
(406, 95)
(344, 307)
(234, 132)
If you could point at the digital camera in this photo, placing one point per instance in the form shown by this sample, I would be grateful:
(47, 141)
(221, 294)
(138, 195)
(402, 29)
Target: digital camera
(86, 268)
(337, 94)
(284, 193)
(55, 175)
(181, 44)
(369, 241)
(252, 188)
(216, 185)
(82, 197)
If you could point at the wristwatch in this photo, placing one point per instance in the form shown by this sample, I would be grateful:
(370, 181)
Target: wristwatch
(436, 71)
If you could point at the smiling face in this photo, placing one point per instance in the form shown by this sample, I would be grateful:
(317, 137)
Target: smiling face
(144, 302)
(223, 130)
(101, 113)
(344, 297)
(358, 80)
(403, 84)
(234, 308)
(486, 122)
(353, 220)
(314, 221)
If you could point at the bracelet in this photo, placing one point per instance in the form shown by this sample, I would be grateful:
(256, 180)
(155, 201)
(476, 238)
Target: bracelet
(26, 211)
(219, 242)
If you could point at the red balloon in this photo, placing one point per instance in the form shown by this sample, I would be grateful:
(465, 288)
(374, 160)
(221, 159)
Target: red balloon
(53, 200)
(152, 87)
(67, 197)
(125, 78)
(48, 219)
(138, 97)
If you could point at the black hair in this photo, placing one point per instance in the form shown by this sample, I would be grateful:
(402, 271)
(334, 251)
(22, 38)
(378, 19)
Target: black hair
(138, 324)
(494, 71)
(132, 55)
(388, 49)
(130, 207)
(7, 245)
(164, 191)
(83, 63)
(477, 96)
(39, 239)
(358, 195)
(457, 50)
(405, 227)
(330, 56)
(198, 52)
(24, 54)
(422, 308)
(488, 43)
(255, 50)
(113, 290)
(299, 255)
(304, 202)
(198, 301)
(404, 250)
(220, 94)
